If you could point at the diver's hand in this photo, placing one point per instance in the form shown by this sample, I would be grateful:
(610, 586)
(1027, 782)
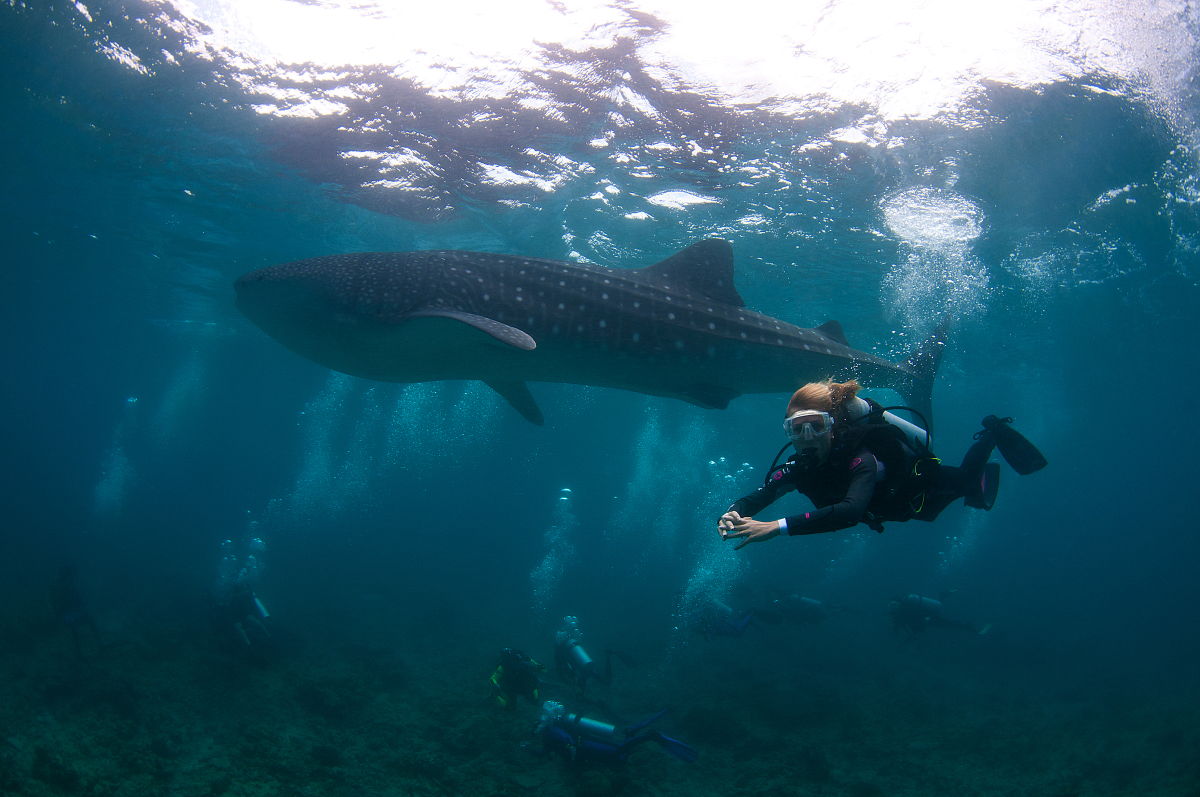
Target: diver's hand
(725, 524)
(749, 530)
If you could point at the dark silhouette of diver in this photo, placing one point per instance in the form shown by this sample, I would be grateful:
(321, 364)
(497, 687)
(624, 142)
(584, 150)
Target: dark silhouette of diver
(794, 609)
(239, 617)
(859, 463)
(715, 618)
(517, 675)
(585, 739)
(70, 611)
(574, 664)
(914, 614)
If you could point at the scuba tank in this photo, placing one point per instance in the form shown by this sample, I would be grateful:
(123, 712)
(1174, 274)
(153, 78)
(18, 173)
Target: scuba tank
(917, 438)
(569, 638)
(555, 713)
(929, 606)
(811, 608)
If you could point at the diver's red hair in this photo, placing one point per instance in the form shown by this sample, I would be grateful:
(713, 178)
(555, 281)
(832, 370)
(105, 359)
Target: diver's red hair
(827, 396)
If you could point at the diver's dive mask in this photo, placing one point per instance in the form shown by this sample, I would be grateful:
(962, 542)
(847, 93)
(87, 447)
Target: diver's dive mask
(810, 432)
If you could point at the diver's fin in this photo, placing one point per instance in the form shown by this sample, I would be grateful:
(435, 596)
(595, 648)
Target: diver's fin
(1016, 449)
(684, 752)
(517, 394)
(989, 485)
(630, 730)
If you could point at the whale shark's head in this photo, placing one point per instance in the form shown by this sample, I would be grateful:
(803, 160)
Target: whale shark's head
(315, 306)
(291, 301)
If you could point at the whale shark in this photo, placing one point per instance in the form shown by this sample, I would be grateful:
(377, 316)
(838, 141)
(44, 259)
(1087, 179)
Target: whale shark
(677, 328)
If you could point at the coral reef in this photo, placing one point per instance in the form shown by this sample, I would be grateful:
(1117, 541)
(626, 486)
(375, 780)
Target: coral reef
(174, 715)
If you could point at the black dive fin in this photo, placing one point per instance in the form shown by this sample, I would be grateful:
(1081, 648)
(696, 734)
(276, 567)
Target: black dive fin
(517, 394)
(1016, 449)
(630, 730)
(684, 752)
(989, 485)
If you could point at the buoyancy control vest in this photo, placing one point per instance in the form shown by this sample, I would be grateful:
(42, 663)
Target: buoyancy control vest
(903, 448)
(910, 466)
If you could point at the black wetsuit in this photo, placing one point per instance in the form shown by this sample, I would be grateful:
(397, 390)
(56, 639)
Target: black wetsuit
(851, 487)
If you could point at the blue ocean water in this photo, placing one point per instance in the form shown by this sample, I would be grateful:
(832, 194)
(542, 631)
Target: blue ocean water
(1030, 174)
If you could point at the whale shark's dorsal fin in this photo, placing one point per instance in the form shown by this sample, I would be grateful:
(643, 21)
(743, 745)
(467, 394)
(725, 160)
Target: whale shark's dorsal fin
(704, 268)
(833, 331)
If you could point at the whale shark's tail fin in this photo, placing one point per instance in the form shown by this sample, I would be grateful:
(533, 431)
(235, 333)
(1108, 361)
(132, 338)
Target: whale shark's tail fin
(921, 369)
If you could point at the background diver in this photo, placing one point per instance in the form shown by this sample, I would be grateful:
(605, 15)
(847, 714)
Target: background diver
(795, 609)
(517, 674)
(859, 463)
(574, 664)
(579, 738)
(915, 613)
(70, 610)
(715, 618)
(238, 613)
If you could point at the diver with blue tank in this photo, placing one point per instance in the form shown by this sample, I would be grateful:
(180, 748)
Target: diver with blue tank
(580, 739)
(860, 463)
(575, 666)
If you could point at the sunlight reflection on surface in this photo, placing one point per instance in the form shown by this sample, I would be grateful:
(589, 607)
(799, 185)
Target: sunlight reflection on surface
(901, 59)
(629, 116)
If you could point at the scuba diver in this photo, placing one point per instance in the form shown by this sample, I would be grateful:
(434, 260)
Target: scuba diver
(795, 609)
(241, 617)
(239, 614)
(573, 663)
(718, 619)
(580, 738)
(517, 675)
(914, 613)
(70, 610)
(859, 463)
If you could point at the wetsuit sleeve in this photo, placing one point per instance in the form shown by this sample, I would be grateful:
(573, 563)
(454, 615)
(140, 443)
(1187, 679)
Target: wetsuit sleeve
(847, 512)
(776, 485)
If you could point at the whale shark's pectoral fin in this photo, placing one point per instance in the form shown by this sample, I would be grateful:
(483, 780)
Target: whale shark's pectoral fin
(501, 332)
(710, 397)
(517, 394)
